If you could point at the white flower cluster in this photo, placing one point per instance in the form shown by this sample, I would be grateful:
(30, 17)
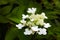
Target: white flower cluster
(33, 22)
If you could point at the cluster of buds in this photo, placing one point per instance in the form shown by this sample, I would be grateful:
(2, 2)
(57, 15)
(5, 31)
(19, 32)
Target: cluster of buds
(33, 22)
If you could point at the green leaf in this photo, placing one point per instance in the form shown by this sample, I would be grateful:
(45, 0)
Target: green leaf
(57, 3)
(3, 19)
(23, 2)
(14, 32)
(6, 1)
(3, 2)
(16, 14)
(5, 10)
(11, 34)
(47, 4)
(22, 36)
(51, 14)
(58, 36)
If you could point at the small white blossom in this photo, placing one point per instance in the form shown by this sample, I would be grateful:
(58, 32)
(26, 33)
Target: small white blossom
(42, 31)
(32, 20)
(28, 32)
(29, 23)
(31, 10)
(40, 22)
(25, 16)
(19, 26)
(23, 21)
(34, 17)
(43, 15)
(34, 28)
(46, 25)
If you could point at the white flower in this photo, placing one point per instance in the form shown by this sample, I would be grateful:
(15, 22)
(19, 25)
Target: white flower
(46, 25)
(25, 16)
(28, 32)
(31, 10)
(33, 17)
(23, 21)
(29, 23)
(40, 22)
(32, 20)
(19, 26)
(42, 31)
(43, 15)
(34, 28)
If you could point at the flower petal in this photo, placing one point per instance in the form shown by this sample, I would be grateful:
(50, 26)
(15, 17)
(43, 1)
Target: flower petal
(28, 32)
(46, 25)
(42, 31)
(19, 26)
(34, 28)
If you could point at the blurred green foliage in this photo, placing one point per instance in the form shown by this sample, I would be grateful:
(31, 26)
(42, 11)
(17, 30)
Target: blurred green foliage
(11, 12)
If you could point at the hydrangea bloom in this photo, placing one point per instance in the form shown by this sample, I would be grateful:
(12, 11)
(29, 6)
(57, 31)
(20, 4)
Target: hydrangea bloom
(33, 22)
